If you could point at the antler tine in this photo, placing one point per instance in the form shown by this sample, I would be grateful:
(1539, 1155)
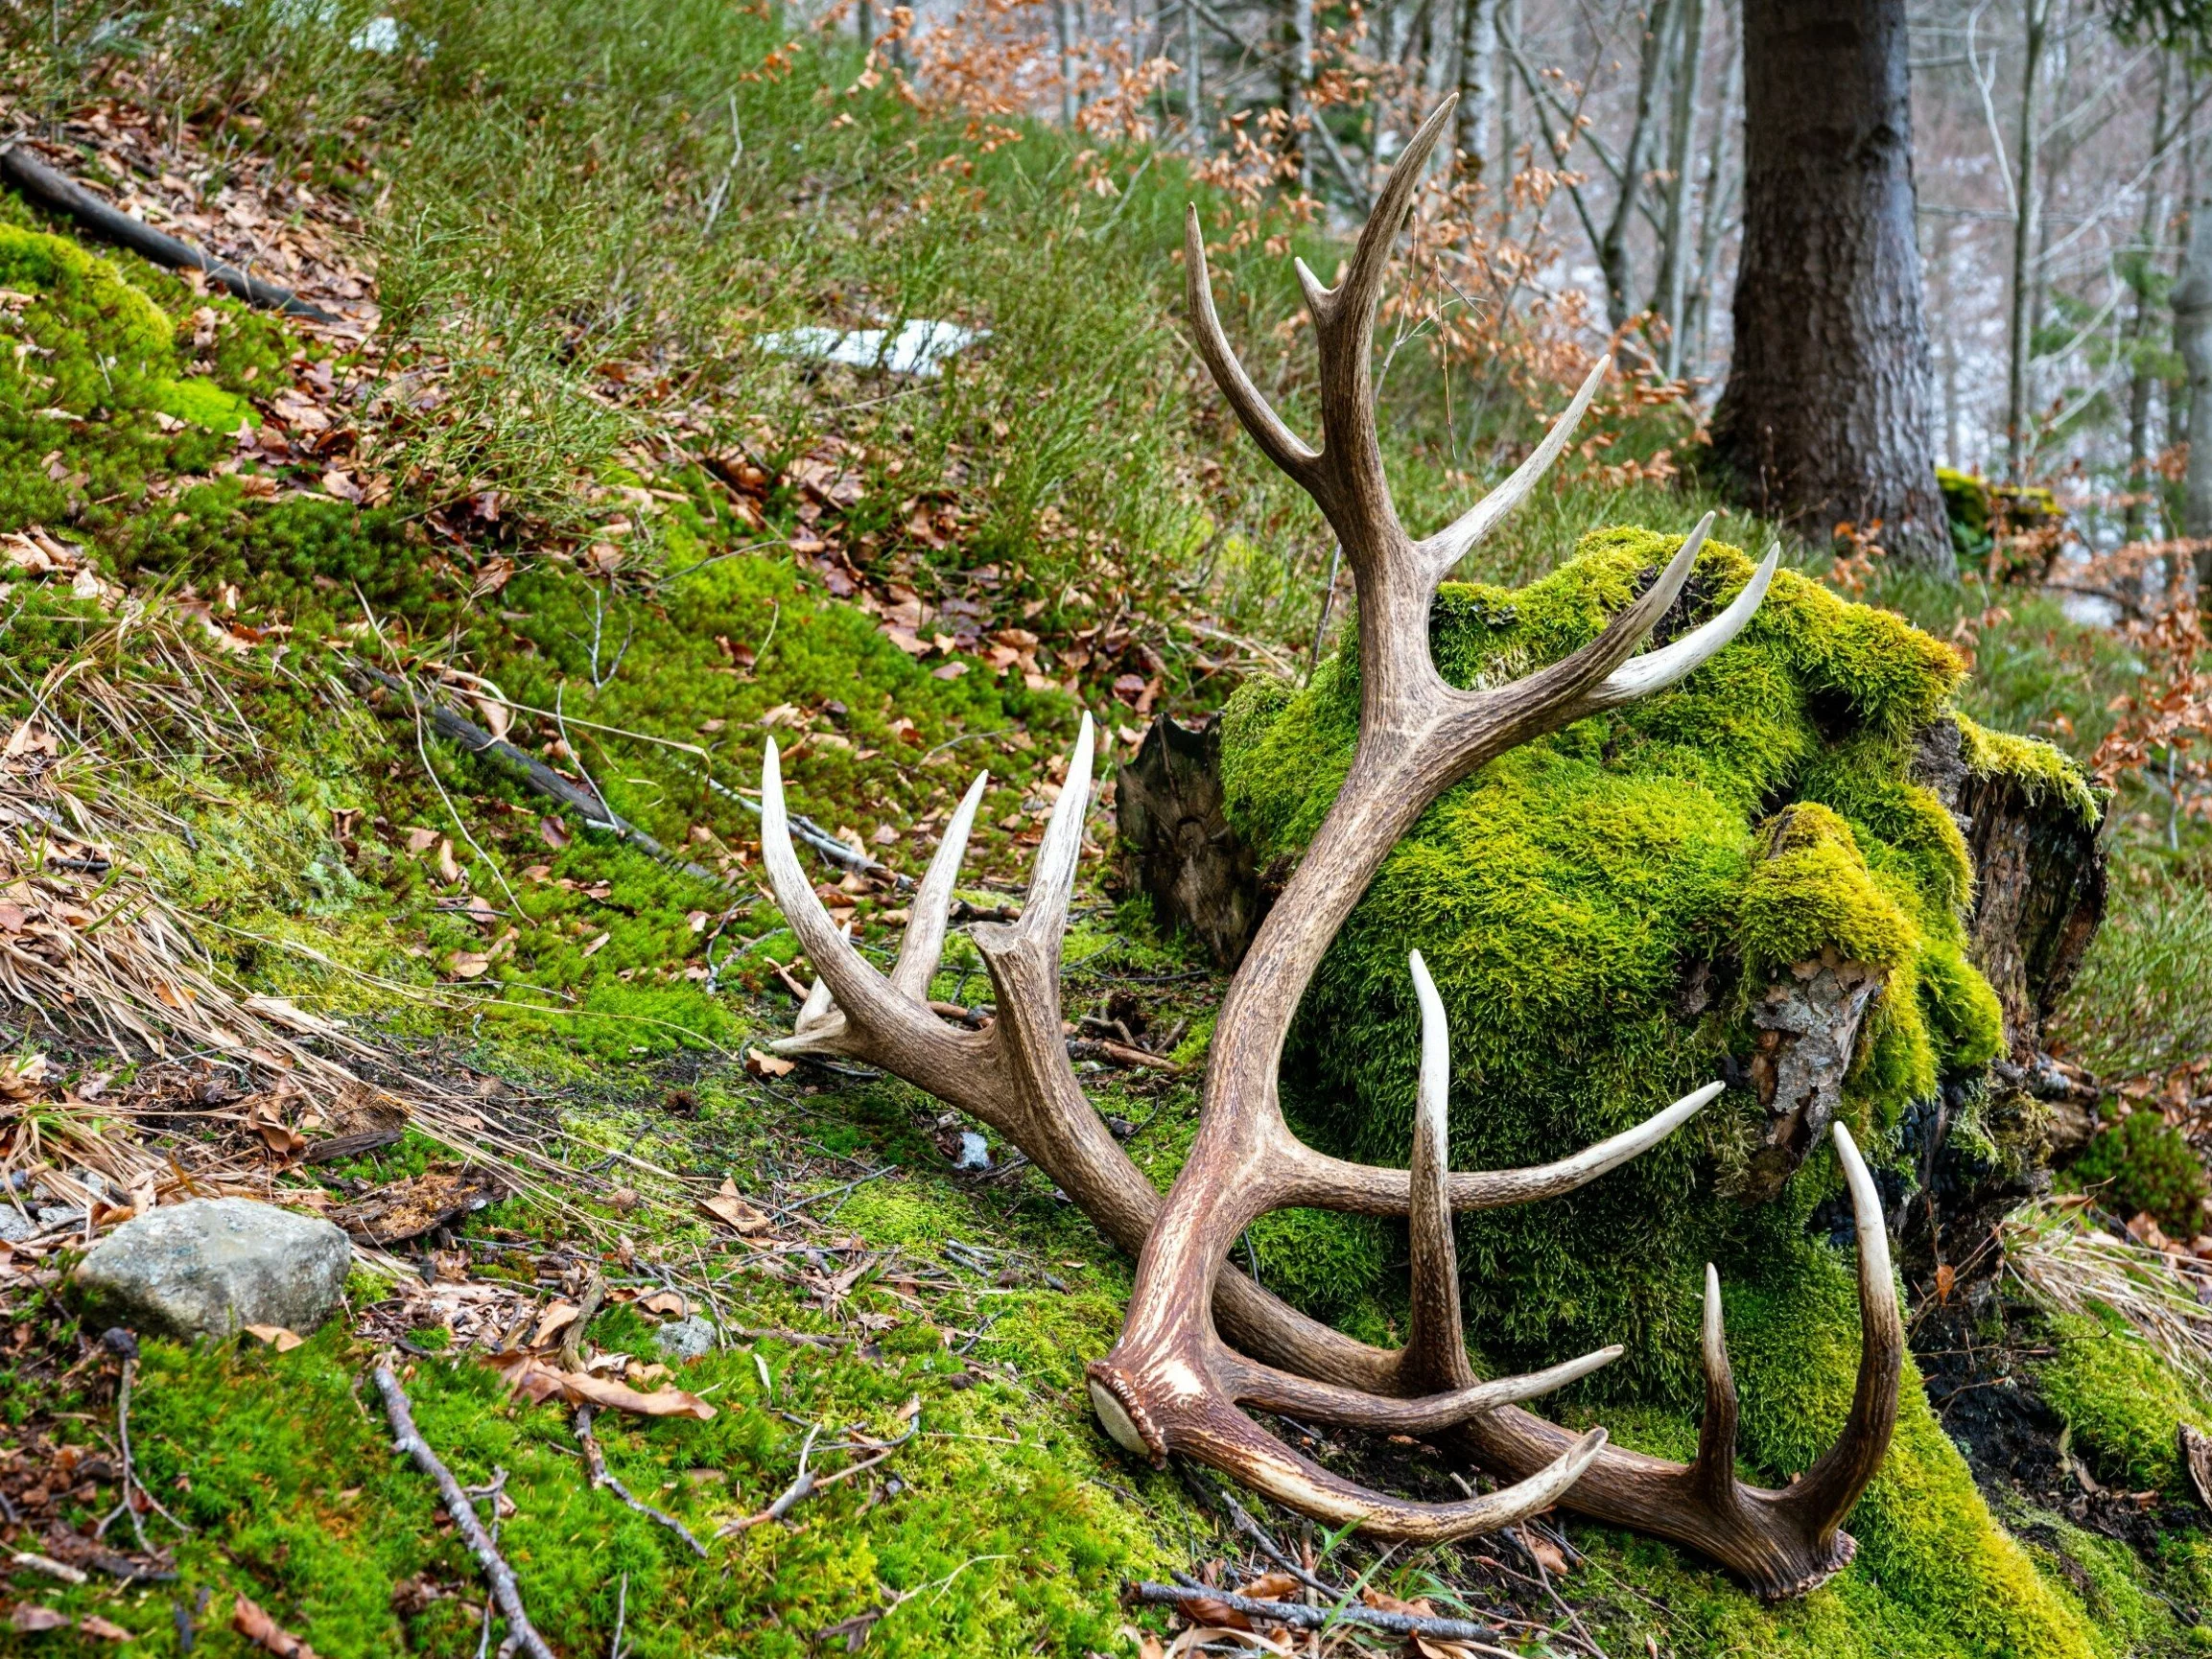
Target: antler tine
(1327, 1182)
(930, 913)
(1714, 1473)
(1276, 441)
(1362, 285)
(1440, 553)
(1435, 1342)
(1216, 1433)
(1827, 1490)
(1656, 671)
(819, 1004)
(1316, 1402)
(1052, 882)
(933, 1054)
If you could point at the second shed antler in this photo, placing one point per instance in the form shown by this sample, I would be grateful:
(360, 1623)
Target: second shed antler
(1202, 1340)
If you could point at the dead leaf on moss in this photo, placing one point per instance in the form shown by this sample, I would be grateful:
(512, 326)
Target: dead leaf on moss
(733, 1211)
(92, 1625)
(26, 1617)
(540, 1382)
(283, 1341)
(258, 1628)
(761, 1064)
(407, 1209)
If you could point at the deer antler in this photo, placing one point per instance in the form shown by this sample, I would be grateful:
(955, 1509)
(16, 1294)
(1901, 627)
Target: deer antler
(1172, 1383)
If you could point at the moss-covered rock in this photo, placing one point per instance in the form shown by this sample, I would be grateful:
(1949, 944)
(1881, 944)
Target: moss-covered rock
(2123, 1405)
(2141, 1164)
(1601, 907)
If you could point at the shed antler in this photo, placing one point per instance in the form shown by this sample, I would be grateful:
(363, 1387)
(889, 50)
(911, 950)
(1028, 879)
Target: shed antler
(1174, 1382)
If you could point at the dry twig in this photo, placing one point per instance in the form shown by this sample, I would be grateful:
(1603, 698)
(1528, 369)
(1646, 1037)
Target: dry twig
(596, 1465)
(463, 1512)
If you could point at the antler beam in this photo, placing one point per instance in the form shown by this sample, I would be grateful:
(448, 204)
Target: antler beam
(1173, 1383)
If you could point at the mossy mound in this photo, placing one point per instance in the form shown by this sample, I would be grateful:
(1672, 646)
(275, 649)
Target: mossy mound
(1599, 909)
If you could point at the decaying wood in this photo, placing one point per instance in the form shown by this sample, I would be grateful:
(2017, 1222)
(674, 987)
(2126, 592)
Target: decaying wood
(1175, 844)
(2039, 884)
(1201, 1340)
(408, 1439)
(1808, 1023)
(63, 194)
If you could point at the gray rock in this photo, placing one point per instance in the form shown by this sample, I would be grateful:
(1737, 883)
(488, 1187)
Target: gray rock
(689, 1339)
(213, 1265)
(17, 1225)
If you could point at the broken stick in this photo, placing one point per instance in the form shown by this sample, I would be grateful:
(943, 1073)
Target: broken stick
(596, 1465)
(504, 1588)
(1299, 1617)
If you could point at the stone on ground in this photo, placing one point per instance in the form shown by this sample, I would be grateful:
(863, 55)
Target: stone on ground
(689, 1339)
(213, 1266)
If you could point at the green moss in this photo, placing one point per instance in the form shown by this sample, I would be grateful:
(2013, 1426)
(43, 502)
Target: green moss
(2042, 770)
(2143, 1163)
(2122, 1402)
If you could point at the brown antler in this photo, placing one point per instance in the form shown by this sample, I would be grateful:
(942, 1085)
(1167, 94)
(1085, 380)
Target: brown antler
(1172, 1383)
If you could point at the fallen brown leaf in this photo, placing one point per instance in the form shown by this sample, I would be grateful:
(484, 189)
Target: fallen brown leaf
(26, 1617)
(542, 1382)
(276, 1337)
(92, 1625)
(761, 1064)
(733, 1211)
(263, 1631)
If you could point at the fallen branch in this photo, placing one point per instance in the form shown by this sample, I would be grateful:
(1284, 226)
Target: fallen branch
(814, 835)
(807, 1484)
(595, 814)
(463, 1512)
(1299, 1617)
(571, 1338)
(50, 189)
(596, 1465)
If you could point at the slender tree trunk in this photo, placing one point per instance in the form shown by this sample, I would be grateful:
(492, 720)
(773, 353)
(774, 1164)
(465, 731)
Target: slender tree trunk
(1826, 416)
(1673, 248)
(2025, 201)
(864, 24)
(1064, 26)
(1717, 199)
(1505, 25)
(1613, 249)
(2141, 382)
(1193, 78)
(1477, 81)
(1299, 81)
(2193, 337)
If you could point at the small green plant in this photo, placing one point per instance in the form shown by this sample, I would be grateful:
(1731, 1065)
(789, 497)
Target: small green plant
(2141, 1164)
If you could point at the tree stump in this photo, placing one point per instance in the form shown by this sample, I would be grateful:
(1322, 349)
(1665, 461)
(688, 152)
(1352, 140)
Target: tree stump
(1175, 845)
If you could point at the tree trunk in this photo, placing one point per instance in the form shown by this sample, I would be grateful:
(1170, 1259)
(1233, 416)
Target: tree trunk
(2193, 337)
(1612, 251)
(2018, 450)
(1193, 78)
(1505, 25)
(1298, 81)
(2141, 380)
(1826, 416)
(1673, 251)
(1477, 81)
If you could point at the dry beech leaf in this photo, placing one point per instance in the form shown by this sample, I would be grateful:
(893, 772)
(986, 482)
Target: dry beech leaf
(556, 1317)
(448, 872)
(542, 1382)
(1269, 1587)
(1548, 1553)
(92, 1625)
(733, 1211)
(761, 1064)
(670, 1303)
(276, 1337)
(421, 840)
(554, 832)
(263, 1631)
(26, 1617)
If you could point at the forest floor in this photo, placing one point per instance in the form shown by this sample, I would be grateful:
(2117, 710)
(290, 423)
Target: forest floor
(270, 934)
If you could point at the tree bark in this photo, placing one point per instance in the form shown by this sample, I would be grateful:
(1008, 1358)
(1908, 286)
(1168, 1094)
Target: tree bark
(1826, 416)
(2141, 380)
(1477, 81)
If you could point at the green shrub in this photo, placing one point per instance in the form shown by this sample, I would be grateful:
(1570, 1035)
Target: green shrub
(2141, 1163)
